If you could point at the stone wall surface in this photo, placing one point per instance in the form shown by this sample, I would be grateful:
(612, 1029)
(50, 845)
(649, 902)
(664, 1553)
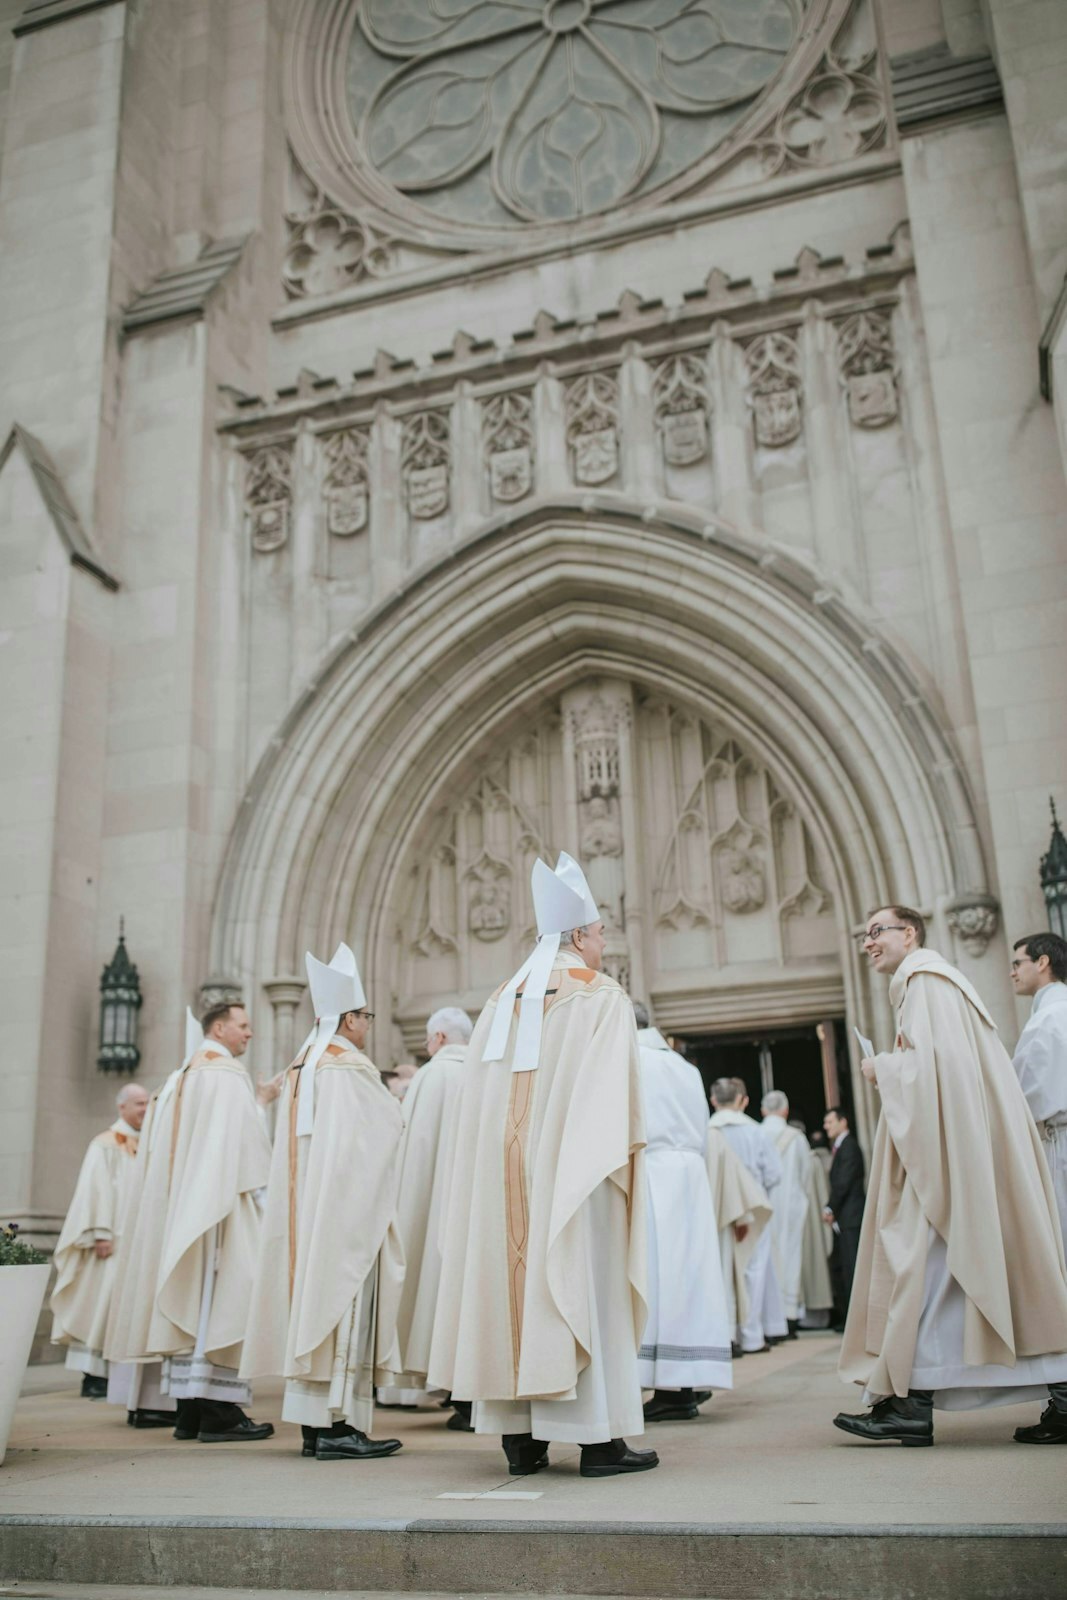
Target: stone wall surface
(718, 536)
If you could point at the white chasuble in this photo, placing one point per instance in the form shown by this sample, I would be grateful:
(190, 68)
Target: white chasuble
(686, 1342)
(422, 1194)
(322, 1313)
(1040, 1061)
(764, 1315)
(186, 1285)
(790, 1211)
(81, 1299)
(542, 1297)
(960, 1284)
(739, 1202)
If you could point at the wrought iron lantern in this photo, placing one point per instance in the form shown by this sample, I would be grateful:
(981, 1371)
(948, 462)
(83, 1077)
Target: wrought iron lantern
(120, 1001)
(1054, 877)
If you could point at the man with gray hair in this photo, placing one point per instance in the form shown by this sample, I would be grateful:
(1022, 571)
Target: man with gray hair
(790, 1204)
(422, 1198)
(85, 1254)
(765, 1320)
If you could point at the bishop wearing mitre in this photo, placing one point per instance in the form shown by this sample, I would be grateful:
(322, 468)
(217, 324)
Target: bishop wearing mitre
(194, 1240)
(85, 1252)
(542, 1298)
(323, 1308)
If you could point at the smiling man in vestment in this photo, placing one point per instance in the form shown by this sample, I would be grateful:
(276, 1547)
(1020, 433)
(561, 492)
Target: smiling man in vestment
(85, 1252)
(322, 1313)
(960, 1293)
(542, 1299)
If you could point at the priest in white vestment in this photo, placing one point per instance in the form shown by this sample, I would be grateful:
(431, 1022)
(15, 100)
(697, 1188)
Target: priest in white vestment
(685, 1350)
(85, 1254)
(742, 1213)
(1039, 970)
(194, 1241)
(762, 1321)
(427, 1107)
(816, 1287)
(791, 1202)
(960, 1293)
(542, 1297)
(322, 1312)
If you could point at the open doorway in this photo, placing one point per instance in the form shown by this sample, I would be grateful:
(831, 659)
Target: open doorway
(809, 1063)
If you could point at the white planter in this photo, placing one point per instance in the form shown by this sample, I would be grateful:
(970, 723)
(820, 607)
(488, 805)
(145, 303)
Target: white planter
(21, 1298)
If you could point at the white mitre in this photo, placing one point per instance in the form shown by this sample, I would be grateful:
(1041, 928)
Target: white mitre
(561, 901)
(335, 990)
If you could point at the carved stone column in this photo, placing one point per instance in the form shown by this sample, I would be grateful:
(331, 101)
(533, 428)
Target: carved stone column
(639, 443)
(467, 469)
(731, 432)
(597, 722)
(308, 603)
(388, 521)
(553, 475)
(285, 995)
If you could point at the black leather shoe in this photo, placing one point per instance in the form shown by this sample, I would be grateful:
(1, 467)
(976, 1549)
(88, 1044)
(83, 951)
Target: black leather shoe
(700, 1395)
(187, 1420)
(240, 1432)
(736, 1351)
(679, 1405)
(93, 1388)
(609, 1460)
(525, 1453)
(151, 1419)
(894, 1420)
(793, 1324)
(1052, 1429)
(460, 1420)
(354, 1446)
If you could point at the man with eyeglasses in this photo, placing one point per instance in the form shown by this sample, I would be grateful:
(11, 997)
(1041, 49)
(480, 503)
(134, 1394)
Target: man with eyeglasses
(1039, 969)
(960, 1293)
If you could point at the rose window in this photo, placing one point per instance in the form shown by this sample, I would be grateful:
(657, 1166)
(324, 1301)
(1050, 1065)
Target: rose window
(493, 113)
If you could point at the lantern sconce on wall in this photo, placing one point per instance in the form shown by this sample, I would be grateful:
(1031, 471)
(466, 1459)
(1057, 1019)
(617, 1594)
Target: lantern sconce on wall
(120, 1001)
(1054, 877)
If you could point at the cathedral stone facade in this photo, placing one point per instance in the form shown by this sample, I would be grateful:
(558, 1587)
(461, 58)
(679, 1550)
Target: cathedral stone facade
(435, 436)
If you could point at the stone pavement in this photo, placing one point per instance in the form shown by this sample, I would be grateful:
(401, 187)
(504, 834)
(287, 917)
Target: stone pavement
(762, 1476)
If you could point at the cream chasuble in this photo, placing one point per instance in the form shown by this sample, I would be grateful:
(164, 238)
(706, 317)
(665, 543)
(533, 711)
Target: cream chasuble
(427, 1106)
(81, 1299)
(1040, 1061)
(193, 1246)
(542, 1297)
(322, 1312)
(765, 1315)
(790, 1211)
(737, 1198)
(960, 1284)
(816, 1290)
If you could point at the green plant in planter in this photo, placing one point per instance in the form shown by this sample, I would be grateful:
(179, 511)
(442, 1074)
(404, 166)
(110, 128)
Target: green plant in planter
(14, 1252)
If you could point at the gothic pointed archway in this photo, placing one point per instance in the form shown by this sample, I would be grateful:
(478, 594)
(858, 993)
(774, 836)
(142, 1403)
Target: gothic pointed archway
(479, 646)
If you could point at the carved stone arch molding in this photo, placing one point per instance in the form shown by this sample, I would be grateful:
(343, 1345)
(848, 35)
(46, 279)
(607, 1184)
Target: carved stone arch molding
(447, 127)
(485, 641)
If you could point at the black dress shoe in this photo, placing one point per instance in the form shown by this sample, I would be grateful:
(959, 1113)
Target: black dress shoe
(700, 1395)
(671, 1406)
(525, 1453)
(793, 1324)
(150, 1419)
(736, 1351)
(776, 1338)
(239, 1432)
(460, 1420)
(611, 1459)
(93, 1388)
(187, 1420)
(1052, 1429)
(354, 1446)
(896, 1419)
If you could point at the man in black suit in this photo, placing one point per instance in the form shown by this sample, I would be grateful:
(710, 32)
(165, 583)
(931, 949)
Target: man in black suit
(845, 1210)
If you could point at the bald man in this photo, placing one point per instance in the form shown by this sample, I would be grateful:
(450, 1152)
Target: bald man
(85, 1253)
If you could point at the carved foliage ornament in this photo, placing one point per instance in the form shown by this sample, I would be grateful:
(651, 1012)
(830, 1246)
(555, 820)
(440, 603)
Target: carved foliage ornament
(679, 396)
(346, 487)
(774, 391)
(974, 920)
(424, 463)
(507, 422)
(268, 491)
(493, 111)
(868, 371)
(592, 410)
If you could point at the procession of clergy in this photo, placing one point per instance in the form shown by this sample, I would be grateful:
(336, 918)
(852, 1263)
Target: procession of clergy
(551, 1223)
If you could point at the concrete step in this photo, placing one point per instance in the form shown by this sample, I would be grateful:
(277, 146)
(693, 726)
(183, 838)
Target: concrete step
(459, 1556)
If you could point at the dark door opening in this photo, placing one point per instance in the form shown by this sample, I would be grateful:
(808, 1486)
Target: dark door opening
(803, 1062)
